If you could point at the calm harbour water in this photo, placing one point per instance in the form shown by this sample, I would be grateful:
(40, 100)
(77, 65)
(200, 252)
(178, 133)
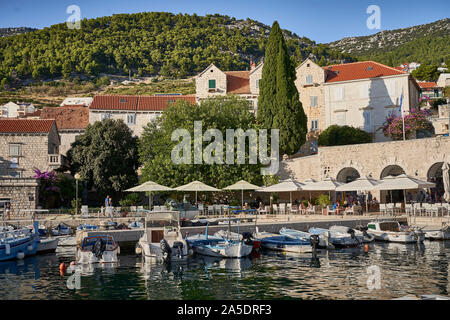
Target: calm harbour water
(339, 274)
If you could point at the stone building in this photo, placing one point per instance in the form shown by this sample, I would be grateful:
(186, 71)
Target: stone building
(71, 121)
(359, 94)
(441, 121)
(15, 110)
(135, 111)
(215, 82)
(421, 158)
(26, 145)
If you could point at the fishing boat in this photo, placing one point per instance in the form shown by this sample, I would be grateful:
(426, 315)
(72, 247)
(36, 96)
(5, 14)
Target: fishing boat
(360, 234)
(438, 234)
(286, 244)
(162, 239)
(337, 239)
(391, 231)
(17, 244)
(47, 245)
(42, 230)
(97, 249)
(61, 230)
(296, 234)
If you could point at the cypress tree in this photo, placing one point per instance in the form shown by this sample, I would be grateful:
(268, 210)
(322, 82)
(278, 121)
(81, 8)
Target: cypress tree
(279, 106)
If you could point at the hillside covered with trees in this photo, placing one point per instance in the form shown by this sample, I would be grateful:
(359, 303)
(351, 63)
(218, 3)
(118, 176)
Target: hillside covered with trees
(146, 44)
(427, 44)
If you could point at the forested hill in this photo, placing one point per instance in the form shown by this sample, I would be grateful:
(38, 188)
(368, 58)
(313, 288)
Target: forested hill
(5, 32)
(147, 44)
(427, 43)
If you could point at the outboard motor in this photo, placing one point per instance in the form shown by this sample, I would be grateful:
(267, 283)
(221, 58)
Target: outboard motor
(314, 239)
(247, 237)
(165, 248)
(178, 246)
(98, 248)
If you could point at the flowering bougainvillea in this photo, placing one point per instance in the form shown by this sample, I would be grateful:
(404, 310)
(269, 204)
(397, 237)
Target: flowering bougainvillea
(414, 121)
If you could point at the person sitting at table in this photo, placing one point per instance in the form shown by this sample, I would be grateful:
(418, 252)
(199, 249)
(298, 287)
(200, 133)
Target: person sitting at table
(246, 206)
(261, 207)
(337, 207)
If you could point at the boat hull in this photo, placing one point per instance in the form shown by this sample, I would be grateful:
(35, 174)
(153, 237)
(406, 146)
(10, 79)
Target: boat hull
(224, 250)
(400, 237)
(87, 257)
(13, 249)
(437, 234)
(47, 245)
(153, 252)
(286, 244)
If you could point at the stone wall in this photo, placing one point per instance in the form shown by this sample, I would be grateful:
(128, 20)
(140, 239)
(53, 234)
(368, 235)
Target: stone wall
(307, 90)
(23, 194)
(255, 75)
(34, 154)
(415, 157)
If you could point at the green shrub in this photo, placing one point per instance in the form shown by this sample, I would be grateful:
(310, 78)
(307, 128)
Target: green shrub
(342, 135)
(324, 200)
(130, 200)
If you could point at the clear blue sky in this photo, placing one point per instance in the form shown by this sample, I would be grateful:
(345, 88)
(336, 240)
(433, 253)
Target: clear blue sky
(319, 20)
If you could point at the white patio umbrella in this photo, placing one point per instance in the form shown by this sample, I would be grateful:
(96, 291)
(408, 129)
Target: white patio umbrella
(149, 186)
(196, 186)
(288, 185)
(403, 182)
(360, 184)
(309, 181)
(446, 180)
(242, 185)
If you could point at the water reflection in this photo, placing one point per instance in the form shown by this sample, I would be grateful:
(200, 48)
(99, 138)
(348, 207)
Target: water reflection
(405, 269)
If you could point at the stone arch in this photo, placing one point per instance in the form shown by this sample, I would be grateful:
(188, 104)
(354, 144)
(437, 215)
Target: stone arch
(391, 170)
(347, 174)
(434, 174)
(393, 161)
(347, 164)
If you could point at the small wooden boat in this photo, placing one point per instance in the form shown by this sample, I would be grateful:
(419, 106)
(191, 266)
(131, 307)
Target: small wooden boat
(391, 231)
(87, 227)
(287, 244)
(239, 237)
(221, 248)
(97, 249)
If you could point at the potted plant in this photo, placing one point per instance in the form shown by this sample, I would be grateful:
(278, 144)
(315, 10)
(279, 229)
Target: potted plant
(324, 201)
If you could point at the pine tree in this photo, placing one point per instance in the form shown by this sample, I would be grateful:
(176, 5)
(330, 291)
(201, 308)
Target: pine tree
(279, 106)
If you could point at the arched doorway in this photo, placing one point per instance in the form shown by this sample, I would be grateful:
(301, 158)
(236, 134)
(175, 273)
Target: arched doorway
(392, 196)
(435, 175)
(347, 175)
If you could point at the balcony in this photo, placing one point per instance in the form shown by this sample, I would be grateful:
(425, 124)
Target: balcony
(57, 160)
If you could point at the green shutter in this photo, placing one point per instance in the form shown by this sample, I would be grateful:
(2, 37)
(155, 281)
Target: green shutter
(212, 84)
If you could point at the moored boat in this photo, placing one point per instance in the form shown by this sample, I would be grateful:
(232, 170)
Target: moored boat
(296, 234)
(337, 239)
(239, 237)
(97, 249)
(221, 248)
(47, 245)
(87, 227)
(17, 244)
(391, 231)
(162, 239)
(361, 234)
(438, 234)
(286, 244)
(61, 230)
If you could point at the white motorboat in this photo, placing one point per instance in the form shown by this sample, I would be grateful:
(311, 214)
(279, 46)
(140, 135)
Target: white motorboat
(296, 234)
(438, 234)
(47, 245)
(221, 248)
(391, 231)
(336, 238)
(162, 239)
(361, 235)
(97, 249)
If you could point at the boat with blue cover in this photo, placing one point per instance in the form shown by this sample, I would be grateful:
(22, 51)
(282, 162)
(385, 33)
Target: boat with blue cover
(87, 227)
(17, 244)
(61, 230)
(286, 244)
(337, 239)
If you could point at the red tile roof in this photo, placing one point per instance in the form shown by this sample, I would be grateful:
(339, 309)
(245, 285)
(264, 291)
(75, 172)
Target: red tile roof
(118, 102)
(238, 82)
(25, 126)
(137, 103)
(359, 70)
(159, 103)
(67, 117)
(427, 85)
(36, 113)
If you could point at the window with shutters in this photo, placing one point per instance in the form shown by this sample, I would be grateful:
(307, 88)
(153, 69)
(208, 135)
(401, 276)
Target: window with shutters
(339, 94)
(131, 119)
(314, 125)
(15, 150)
(212, 84)
(104, 116)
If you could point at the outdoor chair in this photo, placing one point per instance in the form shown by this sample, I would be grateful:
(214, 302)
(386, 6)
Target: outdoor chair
(282, 208)
(217, 209)
(409, 209)
(419, 209)
(84, 211)
(397, 207)
(383, 209)
(349, 210)
(265, 210)
(294, 209)
(330, 210)
(140, 208)
(390, 208)
(311, 210)
(210, 210)
(275, 209)
(200, 209)
(289, 207)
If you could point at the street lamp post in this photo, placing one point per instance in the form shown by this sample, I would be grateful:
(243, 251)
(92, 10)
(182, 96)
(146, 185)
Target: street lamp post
(77, 177)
